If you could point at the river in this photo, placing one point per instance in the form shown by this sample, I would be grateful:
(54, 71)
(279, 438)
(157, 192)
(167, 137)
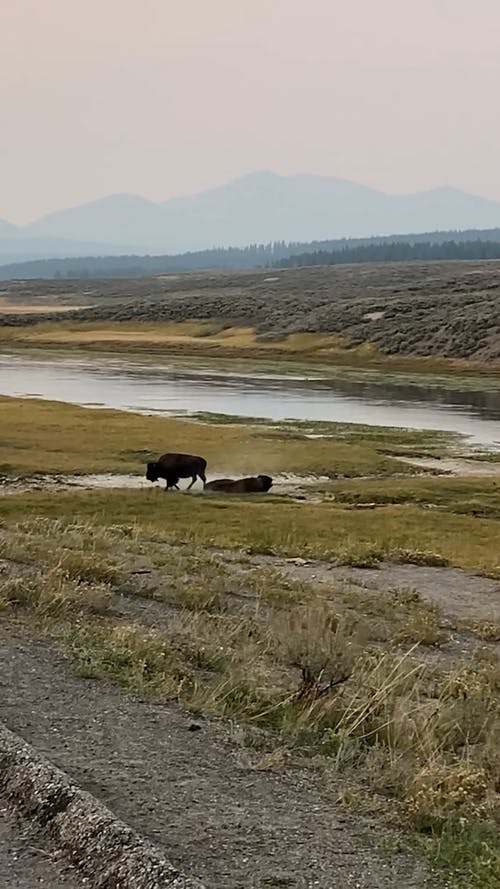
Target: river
(145, 387)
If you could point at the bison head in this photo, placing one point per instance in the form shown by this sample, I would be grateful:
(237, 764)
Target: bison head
(152, 472)
(266, 482)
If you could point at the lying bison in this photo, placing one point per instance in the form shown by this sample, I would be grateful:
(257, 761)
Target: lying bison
(257, 485)
(172, 467)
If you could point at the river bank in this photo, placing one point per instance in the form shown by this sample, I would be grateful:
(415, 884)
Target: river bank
(249, 390)
(220, 342)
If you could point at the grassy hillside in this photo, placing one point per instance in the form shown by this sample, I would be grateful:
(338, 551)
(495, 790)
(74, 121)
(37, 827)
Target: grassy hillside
(450, 310)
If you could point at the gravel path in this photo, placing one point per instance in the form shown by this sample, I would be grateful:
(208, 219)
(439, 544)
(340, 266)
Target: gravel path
(24, 865)
(459, 594)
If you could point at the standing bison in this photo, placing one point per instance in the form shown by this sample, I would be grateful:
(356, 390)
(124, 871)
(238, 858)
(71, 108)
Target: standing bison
(172, 467)
(257, 485)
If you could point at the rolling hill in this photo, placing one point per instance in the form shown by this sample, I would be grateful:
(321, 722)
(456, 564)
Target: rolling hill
(443, 310)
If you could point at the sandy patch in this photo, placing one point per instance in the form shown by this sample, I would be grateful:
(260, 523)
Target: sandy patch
(288, 484)
(457, 466)
(39, 309)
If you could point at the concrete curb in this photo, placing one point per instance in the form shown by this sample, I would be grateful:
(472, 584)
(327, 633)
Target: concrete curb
(105, 850)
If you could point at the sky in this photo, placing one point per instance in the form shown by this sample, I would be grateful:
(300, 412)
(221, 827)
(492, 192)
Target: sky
(163, 98)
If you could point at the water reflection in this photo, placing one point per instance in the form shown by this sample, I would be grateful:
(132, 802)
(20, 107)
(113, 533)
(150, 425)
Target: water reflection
(120, 383)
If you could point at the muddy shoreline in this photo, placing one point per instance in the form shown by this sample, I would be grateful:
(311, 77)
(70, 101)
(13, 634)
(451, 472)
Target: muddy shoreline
(300, 486)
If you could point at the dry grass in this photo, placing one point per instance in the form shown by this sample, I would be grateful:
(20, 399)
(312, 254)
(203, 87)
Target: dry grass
(196, 337)
(488, 630)
(81, 552)
(52, 591)
(337, 673)
(7, 308)
(190, 333)
(207, 339)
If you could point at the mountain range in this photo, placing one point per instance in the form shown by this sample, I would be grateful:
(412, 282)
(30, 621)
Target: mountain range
(257, 208)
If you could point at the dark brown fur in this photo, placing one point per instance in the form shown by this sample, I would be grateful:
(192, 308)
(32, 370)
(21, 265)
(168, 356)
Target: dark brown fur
(253, 485)
(173, 467)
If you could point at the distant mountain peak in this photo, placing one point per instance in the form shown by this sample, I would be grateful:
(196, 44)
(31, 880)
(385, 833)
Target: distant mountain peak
(122, 197)
(257, 175)
(258, 207)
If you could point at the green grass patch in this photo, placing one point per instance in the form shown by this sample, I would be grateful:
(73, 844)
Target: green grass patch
(467, 855)
(386, 439)
(475, 496)
(407, 533)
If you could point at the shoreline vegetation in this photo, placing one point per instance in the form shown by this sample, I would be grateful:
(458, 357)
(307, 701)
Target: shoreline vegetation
(317, 354)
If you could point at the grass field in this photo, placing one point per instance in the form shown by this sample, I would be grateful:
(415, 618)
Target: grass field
(52, 437)
(181, 597)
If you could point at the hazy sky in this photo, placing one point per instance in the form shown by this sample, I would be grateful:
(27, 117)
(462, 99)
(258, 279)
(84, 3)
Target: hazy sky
(162, 98)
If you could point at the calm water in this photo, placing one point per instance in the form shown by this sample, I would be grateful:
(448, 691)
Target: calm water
(120, 383)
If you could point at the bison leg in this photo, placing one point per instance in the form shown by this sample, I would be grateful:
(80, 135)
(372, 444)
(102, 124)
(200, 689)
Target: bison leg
(192, 483)
(203, 478)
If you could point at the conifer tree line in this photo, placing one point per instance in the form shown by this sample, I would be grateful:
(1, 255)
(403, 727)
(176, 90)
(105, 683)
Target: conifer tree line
(465, 245)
